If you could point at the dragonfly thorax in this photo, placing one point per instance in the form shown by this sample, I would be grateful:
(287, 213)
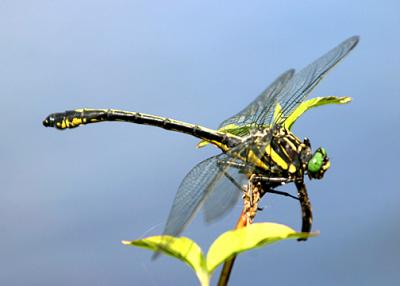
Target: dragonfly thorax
(273, 150)
(278, 152)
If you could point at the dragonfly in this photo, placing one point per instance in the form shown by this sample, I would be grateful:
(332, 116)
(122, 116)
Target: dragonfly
(257, 146)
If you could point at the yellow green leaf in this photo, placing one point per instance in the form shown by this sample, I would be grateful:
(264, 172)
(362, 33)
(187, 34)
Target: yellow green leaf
(182, 248)
(224, 247)
(256, 235)
(311, 103)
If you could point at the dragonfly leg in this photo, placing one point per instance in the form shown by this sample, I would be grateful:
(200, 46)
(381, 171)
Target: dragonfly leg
(277, 180)
(251, 198)
(271, 191)
(223, 165)
(306, 210)
(256, 179)
(251, 188)
(233, 164)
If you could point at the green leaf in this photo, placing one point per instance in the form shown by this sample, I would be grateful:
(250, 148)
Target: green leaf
(253, 236)
(224, 247)
(179, 247)
(311, 103)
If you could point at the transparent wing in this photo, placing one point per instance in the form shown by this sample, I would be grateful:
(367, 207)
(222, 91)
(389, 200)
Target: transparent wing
(205, 178)
(226, 192)
(236, 173)
(303, 82)
(262, 105)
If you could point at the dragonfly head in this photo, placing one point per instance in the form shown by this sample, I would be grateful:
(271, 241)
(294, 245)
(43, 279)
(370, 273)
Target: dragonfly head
(318, 164)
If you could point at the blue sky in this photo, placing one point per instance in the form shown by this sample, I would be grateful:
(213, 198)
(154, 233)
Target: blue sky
(68, 198)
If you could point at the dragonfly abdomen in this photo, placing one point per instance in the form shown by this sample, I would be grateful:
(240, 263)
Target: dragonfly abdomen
(77, 117)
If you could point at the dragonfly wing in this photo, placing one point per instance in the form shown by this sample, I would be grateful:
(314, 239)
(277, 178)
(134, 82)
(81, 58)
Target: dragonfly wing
(303, 82)
(226, 192)
(263, 104)
(192, 192)
(234, 173)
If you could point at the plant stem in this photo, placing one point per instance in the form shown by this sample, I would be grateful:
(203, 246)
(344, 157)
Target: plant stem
(228, 265)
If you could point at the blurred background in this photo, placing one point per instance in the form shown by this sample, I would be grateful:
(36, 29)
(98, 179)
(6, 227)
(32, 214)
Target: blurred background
(68, 198)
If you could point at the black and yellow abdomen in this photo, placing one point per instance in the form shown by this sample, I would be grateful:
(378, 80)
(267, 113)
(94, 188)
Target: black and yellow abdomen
(77, 117)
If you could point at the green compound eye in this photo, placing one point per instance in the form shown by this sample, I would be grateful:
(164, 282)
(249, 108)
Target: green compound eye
(318, 164)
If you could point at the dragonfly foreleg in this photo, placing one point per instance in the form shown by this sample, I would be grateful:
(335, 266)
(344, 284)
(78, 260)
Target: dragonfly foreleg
(229, 163)
(251, 198)
(275, 180)
(306, 210)
(224, 165)
(271, 191)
